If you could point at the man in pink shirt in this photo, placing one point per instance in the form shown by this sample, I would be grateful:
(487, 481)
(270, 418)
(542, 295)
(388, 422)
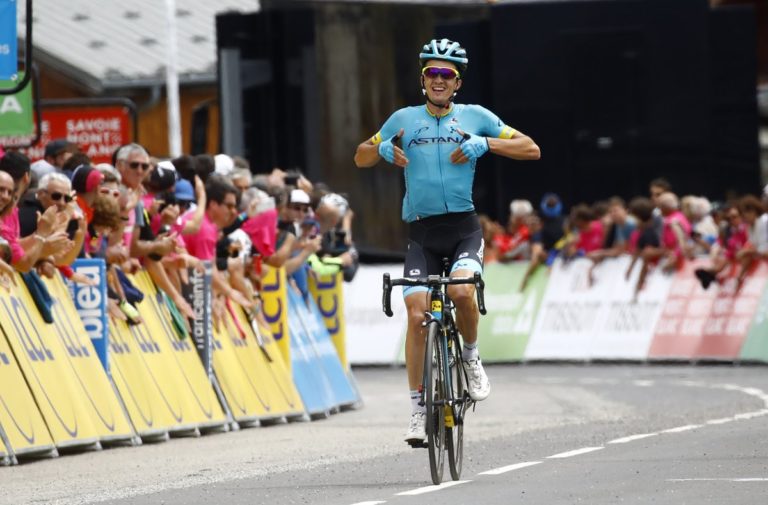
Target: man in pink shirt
(220, 212)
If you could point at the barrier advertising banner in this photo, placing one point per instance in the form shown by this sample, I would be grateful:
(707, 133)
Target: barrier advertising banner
(275, 309)
(91, 305)
(16, 113)
(42, 358)
(703, 324)
(97, 393)
(184, 380)
(328, 294)
(8, 46)
(601, 319)
(756, 346)
(505, 329)
(20, 419)
(372, 337)
(198, 293)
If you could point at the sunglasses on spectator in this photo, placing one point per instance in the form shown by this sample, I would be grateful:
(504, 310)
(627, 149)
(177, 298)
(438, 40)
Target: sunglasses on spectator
(300, 208)
(107, 191)
(444, 72)
(136, 164)
(58, 196)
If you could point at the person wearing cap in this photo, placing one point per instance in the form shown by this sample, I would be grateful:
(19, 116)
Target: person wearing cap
(334, 219)
(442, 153)
(58, 151)
(548, 240)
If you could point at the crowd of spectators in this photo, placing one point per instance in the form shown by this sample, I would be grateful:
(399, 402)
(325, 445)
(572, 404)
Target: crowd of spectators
(166, 217)
(660, 231)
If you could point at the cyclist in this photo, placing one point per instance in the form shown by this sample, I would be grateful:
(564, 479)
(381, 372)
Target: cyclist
(439, 145)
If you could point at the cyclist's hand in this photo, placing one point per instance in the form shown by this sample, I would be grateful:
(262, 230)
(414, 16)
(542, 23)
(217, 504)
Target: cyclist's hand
(392, 153)
(471, 148)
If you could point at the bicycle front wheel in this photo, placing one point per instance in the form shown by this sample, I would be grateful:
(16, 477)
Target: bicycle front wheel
(454, 433)
(434, 395)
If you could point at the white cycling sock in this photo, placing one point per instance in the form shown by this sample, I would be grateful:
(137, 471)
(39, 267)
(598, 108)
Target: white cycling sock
(415, 399)
(469, 352)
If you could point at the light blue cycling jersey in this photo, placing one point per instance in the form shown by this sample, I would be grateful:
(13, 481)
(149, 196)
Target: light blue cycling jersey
(434, 185)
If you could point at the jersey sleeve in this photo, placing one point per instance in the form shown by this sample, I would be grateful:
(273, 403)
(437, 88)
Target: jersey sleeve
(492, 126)
(389, 129)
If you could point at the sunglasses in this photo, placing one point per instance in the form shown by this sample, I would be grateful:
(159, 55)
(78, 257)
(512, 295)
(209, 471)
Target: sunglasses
(300, 208)
(58, 196)
(444, 72)
(107, 191)
(135, 165)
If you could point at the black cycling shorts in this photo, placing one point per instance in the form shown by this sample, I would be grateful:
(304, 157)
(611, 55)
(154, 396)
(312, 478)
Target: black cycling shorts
(457, 236)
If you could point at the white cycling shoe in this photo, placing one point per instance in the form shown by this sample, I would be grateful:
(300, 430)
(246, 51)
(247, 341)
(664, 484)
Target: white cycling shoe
(479, 387)
(417, 432)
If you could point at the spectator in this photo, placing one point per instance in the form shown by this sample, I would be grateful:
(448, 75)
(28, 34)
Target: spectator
(220, 212)
(676, 231)
(50, 237)
(54, 189)
(589, 232)
(241, 178)
(620, 229)
(544, 242)
(704, 231)
(58, 151)
(515, 242)
(644, 242)
(731, 252)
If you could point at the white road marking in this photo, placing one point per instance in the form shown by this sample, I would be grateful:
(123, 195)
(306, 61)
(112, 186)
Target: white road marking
(632, 438)
(739, 479)
(643, 383)
(576, 452)
(509, 468)
(369, 503)
(681, 429)
(750, 415)
(429, 489)
(721, 421)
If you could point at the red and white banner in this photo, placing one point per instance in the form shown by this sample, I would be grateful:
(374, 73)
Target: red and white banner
(713, 323)
(97, 130)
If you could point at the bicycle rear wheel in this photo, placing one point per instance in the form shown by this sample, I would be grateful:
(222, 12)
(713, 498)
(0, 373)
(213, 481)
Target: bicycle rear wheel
(454, 432)
(434, 394)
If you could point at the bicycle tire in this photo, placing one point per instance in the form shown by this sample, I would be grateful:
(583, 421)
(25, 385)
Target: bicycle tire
(434, 394)
(454, 435)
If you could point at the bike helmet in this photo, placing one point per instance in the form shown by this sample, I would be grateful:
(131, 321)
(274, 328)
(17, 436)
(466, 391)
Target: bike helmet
(446, 50)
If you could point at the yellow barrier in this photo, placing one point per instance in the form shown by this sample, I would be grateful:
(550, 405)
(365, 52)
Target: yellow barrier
(284, 398)
(328, 292)
(47, 366)
(275, 309)
(255, 388)
(23, 425)
(183, 379)
(106, 411)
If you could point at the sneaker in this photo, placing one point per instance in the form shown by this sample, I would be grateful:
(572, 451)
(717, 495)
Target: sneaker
(479, 387)
(417, 432)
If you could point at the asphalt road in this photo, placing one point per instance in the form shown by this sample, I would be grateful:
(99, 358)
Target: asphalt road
(597, 434)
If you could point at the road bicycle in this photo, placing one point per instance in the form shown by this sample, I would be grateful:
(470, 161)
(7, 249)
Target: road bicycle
(444, 384)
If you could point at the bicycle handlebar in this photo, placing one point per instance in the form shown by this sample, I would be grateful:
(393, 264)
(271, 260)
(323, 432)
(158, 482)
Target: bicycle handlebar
(431, 282)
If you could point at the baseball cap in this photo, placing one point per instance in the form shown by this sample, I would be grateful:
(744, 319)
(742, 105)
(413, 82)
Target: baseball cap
(299, 196)
(224, 164)
(57, 146)
(184, 191)
(85, 179)
(163, 177)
